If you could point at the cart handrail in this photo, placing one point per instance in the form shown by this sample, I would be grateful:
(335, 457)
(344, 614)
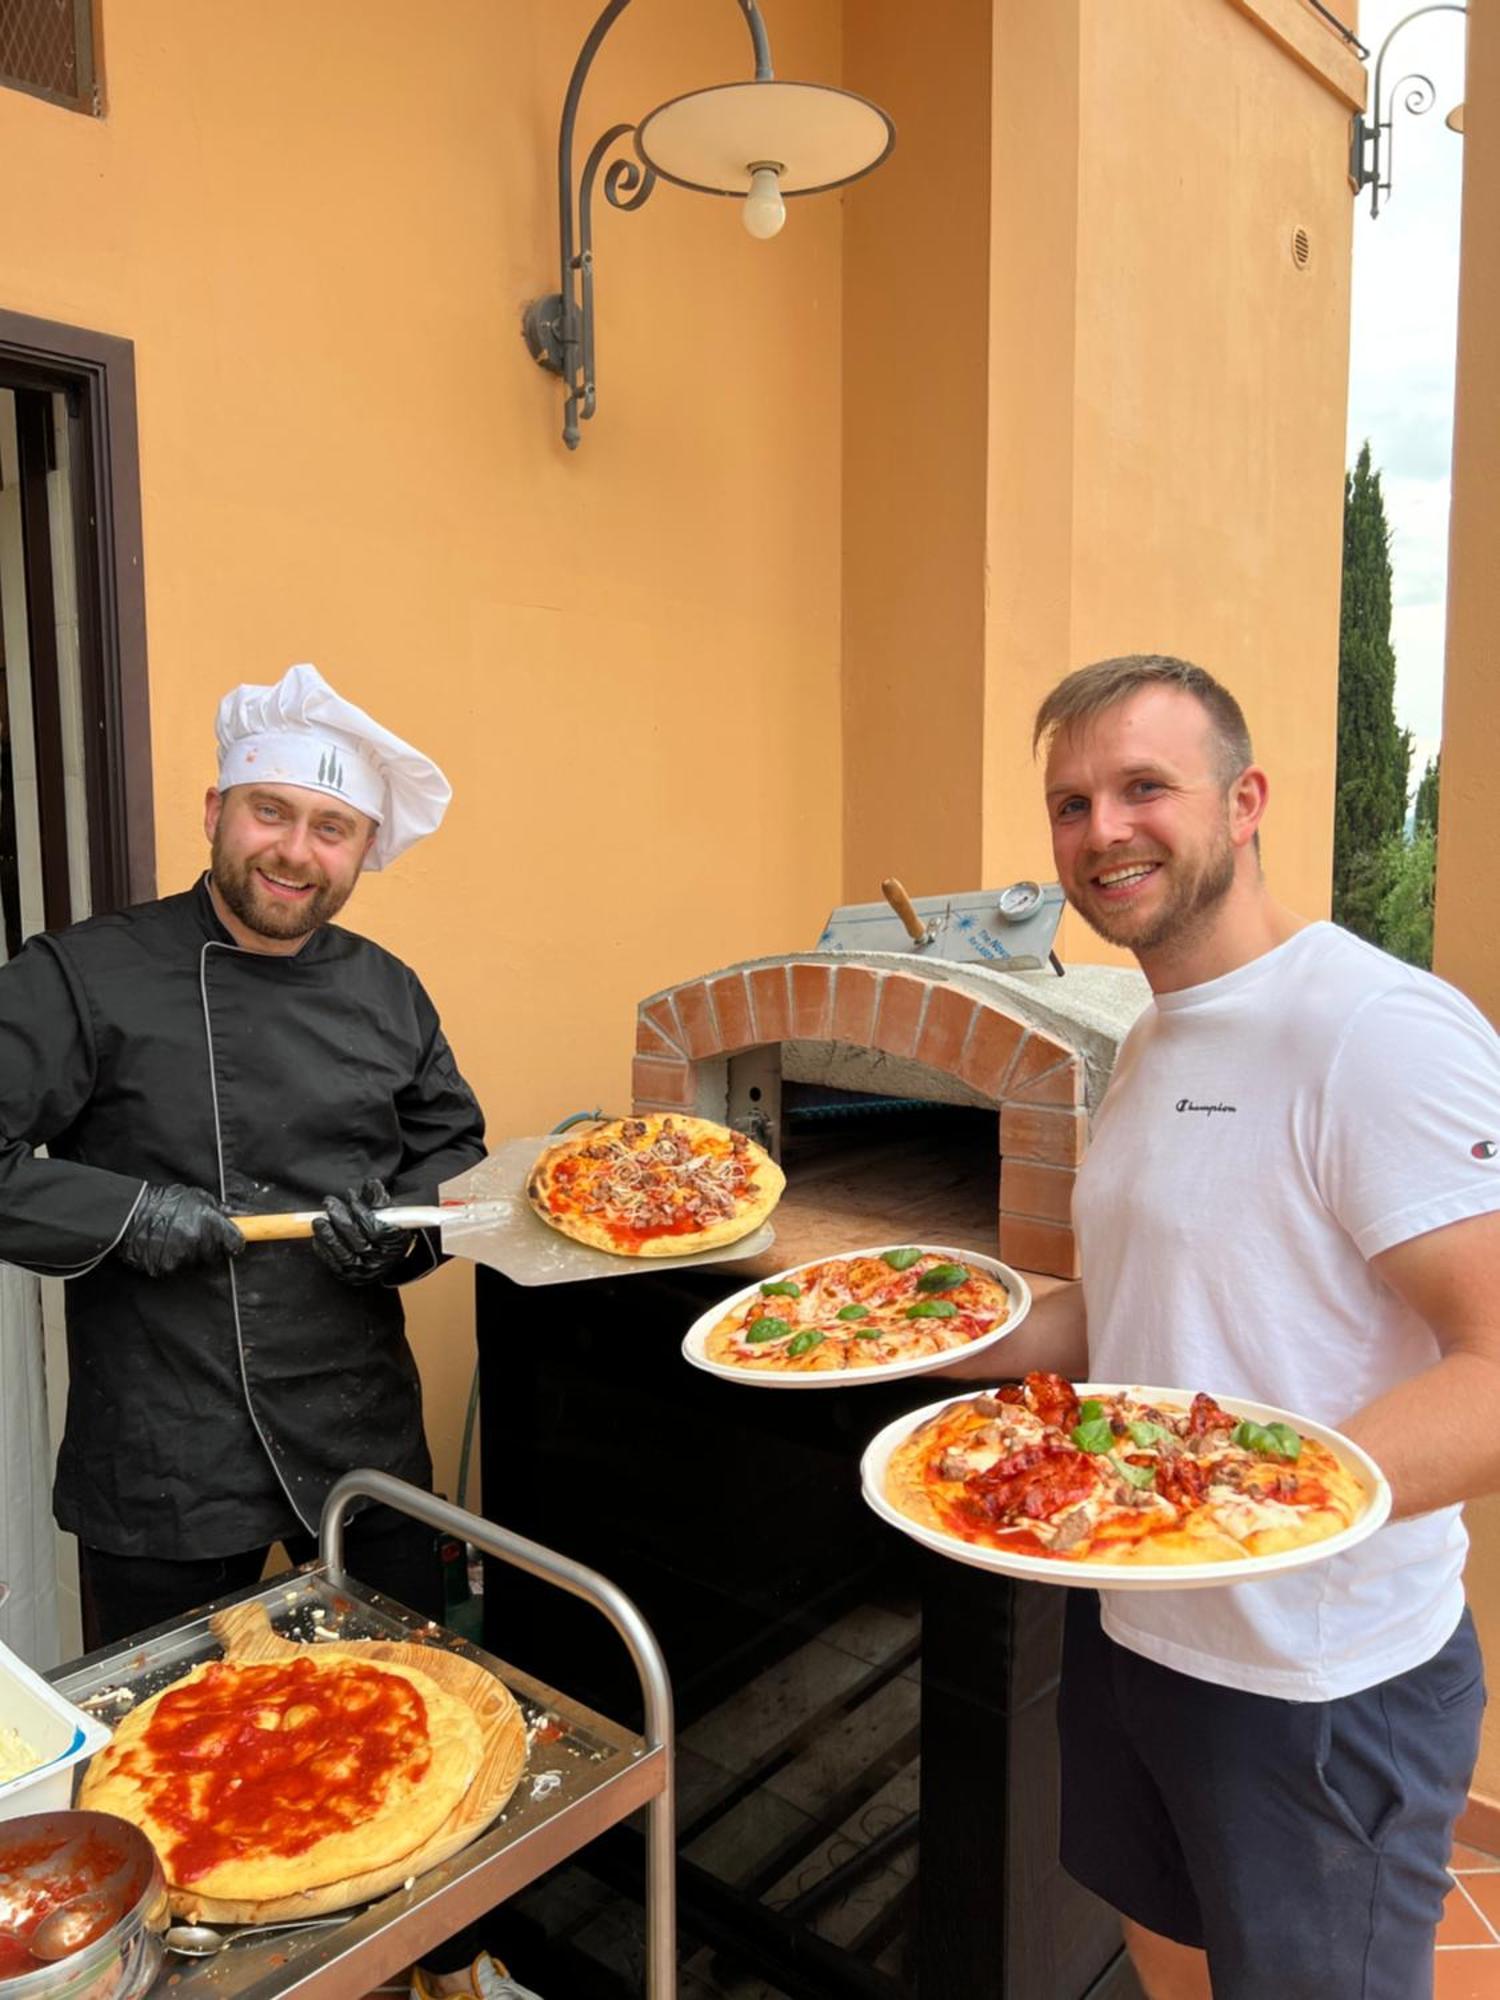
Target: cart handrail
(640, 1641)
(524, 1554)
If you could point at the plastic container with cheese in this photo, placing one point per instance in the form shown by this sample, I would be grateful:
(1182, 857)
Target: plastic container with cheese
(61, 1735)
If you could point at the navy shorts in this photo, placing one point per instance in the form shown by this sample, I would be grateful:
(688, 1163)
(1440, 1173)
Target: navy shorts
(1304, 1845)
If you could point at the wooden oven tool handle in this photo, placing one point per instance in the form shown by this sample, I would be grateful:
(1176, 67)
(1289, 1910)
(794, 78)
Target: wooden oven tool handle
(291, 1227)
(276, 1228)
(901, 903)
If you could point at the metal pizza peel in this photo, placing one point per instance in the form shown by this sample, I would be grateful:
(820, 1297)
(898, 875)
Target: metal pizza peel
(484, 1215)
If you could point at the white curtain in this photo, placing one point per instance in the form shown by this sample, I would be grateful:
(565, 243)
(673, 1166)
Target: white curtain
(28, 1540)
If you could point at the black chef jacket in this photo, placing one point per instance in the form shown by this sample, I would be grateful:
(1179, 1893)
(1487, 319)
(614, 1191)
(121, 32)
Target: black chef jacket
(210, 1411)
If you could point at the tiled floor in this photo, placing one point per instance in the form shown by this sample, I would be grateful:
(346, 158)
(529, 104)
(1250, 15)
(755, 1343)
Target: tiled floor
(1468, 1956)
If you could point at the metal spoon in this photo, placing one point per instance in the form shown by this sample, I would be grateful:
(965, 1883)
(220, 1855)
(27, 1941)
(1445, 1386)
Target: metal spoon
(203, 1941)
(72, 1926)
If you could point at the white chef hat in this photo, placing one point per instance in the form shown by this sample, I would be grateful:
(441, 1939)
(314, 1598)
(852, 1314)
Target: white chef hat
(300, 732)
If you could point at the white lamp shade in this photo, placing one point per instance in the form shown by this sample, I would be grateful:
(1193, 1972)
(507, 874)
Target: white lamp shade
(712, 140)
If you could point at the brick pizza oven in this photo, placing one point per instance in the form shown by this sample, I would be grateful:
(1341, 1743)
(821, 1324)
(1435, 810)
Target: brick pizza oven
(1033, 1048)
(910, 1098)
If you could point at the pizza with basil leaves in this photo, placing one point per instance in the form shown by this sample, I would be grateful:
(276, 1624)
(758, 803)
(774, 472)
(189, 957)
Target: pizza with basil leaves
(1114, 1477)
(869, 1310)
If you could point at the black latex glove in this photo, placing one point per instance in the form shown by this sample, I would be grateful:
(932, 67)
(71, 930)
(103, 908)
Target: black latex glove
(353, 1241)
(176, 1226)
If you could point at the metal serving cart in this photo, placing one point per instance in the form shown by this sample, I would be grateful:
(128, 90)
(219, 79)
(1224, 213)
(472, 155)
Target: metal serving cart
(584, 1774)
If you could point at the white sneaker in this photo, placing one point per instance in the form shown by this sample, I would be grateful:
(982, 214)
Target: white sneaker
(486, 1979)
(493, 1982)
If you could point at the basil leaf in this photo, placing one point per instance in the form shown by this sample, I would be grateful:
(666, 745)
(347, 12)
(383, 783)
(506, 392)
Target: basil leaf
(1284, 1441)
(1269, 1440)
(902, 1260)
(932, 1309)
(767, 1329)
(867, 1332)
(854, 1312)
(942, 1278)
(1095, 1435)
(1146, 1433)
(1091, 1411)
(809, 1338)
(782, 1289)
(1138, 1475)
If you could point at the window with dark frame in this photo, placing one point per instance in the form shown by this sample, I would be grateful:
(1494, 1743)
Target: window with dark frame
(50, 855)
(75, 742)
(47, 50)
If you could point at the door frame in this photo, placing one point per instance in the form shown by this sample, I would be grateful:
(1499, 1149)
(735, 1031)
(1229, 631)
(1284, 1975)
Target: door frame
(97, 372)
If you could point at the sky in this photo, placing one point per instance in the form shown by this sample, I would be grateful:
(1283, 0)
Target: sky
(1405, 324)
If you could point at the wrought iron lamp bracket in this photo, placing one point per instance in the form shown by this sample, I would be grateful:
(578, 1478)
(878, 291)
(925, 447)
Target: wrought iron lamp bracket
(559, 328)
(1371, 140)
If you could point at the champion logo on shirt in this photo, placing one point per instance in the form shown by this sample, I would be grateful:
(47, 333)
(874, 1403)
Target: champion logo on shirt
(1209, 1110)
(1484, 1149)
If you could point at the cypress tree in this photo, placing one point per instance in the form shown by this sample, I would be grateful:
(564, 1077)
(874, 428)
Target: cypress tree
(1425, 812)
(1373, 754)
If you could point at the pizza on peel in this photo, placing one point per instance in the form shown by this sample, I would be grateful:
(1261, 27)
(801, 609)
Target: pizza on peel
(258, 1780)
(661, 1185)
(1113, 1479)
(860, 1312)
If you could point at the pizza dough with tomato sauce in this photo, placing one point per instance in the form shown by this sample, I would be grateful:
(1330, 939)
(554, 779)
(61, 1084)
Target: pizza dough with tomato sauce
(661, 1185)
(260, 1780)
(1111, 1479)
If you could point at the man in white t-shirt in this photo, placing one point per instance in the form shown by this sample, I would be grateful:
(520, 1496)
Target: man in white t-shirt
(1292, 1193)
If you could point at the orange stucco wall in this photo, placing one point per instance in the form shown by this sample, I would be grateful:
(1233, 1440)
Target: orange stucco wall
(1210, 386)
(319, 226)
(1192, 462)
(1093, 405)
(916, 380)
(1467, 947)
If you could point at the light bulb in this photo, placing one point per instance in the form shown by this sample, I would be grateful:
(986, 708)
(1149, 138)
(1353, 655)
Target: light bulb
(765, 211)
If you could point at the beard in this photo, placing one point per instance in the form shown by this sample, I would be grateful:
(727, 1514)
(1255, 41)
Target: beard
(255, 908)
(1191, 900)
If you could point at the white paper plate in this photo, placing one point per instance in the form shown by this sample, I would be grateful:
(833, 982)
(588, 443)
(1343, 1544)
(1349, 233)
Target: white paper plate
(1131, 1576)
(694, 1346)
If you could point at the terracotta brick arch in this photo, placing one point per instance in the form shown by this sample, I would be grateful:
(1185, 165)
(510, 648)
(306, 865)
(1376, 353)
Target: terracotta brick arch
(686, 1035)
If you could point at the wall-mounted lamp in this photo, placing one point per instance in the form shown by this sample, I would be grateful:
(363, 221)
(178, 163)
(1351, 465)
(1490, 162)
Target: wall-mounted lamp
(759, 142)
(1371, 142)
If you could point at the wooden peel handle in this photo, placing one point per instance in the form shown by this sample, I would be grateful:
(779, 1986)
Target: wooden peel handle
(901, 903)
(289, 1228)
(276, 1228)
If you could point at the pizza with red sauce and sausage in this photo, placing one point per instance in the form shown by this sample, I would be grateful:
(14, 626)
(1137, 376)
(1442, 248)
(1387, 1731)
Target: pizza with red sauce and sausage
(661, 1185)
(1040, 1469)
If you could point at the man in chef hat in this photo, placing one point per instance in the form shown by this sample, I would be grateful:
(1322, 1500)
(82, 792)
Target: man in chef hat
(229, 1049)
(280, 868)
(376, 795)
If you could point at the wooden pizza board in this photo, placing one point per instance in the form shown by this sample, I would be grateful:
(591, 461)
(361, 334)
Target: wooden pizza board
(245, 1633)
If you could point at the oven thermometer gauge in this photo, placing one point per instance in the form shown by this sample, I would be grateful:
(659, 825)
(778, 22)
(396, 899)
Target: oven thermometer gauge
(1019, 901)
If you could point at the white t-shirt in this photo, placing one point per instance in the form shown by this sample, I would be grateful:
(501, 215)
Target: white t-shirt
(1263, 1136)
